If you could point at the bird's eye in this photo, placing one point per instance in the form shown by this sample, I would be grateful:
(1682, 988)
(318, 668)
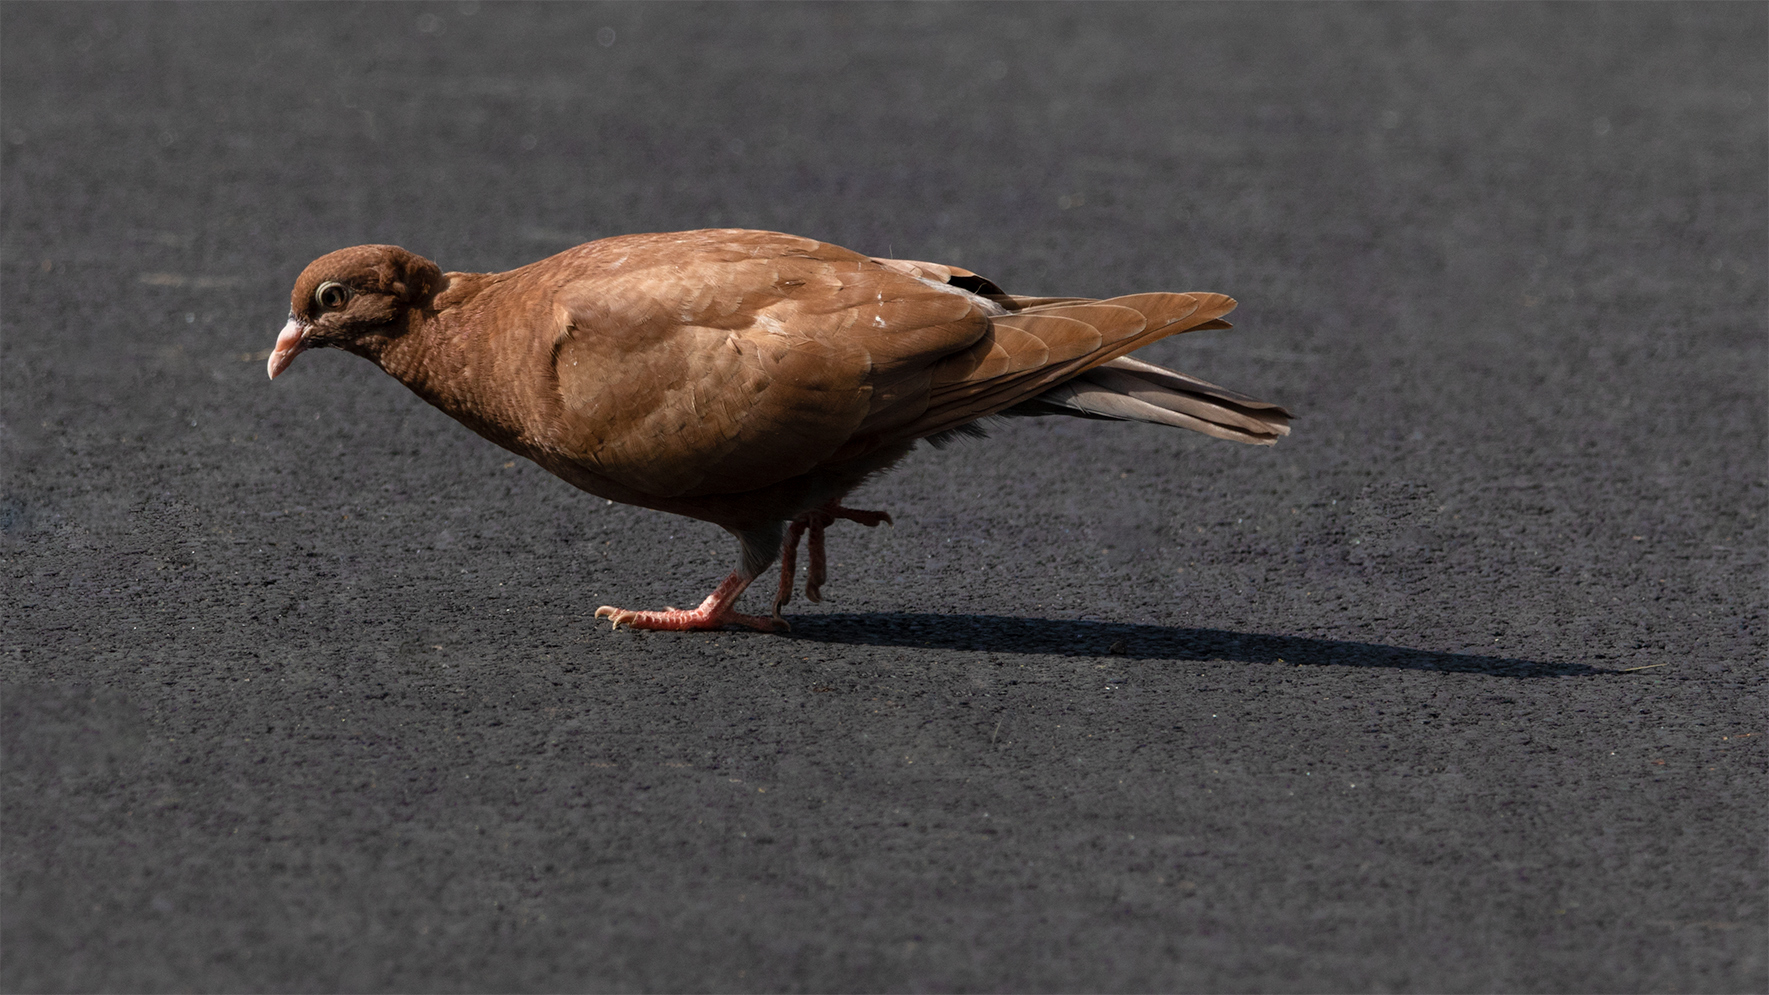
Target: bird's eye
(331, 295)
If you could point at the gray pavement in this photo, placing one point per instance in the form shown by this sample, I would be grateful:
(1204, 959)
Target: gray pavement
(1459, 688)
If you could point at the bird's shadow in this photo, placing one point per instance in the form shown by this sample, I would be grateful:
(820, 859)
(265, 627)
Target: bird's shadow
(998, 634)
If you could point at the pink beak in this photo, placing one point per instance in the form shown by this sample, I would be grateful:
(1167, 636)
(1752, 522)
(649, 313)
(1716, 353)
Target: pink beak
(288, 345)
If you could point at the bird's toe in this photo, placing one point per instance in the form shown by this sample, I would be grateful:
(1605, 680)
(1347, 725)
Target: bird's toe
(869, 519)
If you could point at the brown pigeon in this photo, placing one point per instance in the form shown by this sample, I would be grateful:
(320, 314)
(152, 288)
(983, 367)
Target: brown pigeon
(747, 378)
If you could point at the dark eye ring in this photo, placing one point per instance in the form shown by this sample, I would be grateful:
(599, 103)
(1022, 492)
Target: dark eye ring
(332, 295)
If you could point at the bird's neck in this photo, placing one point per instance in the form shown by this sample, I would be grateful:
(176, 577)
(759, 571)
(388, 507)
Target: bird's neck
(450, 355)
(432, 354)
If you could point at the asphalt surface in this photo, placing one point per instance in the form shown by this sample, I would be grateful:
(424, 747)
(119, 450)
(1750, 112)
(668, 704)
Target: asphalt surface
(302, 688)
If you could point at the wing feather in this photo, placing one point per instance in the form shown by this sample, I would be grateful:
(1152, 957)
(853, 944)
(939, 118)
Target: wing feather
(737, 362)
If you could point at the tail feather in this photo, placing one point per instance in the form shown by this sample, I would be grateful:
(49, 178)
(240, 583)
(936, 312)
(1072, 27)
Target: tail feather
(1127, 389)
(1185, 381)
(1185, 402)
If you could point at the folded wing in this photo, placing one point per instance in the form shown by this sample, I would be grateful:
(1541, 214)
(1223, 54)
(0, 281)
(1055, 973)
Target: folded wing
(720, 362)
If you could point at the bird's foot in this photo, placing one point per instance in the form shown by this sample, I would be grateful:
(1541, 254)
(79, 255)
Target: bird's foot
(715, 612)
(816, 572)
(680, 620)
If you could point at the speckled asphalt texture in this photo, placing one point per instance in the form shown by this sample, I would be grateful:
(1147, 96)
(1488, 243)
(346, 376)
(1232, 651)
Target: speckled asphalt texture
(1459, 688)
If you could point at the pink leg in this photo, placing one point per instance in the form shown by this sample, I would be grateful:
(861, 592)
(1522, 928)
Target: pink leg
(789, 554)
(816, 572)
(714, 613)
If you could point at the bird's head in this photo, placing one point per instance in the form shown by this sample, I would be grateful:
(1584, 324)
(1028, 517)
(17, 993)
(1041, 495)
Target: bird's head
(357, 299)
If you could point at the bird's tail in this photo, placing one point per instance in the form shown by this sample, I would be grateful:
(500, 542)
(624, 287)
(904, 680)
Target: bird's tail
(1027, 349)
(1128, 389)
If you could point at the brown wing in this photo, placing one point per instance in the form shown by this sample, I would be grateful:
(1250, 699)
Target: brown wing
(719, 362)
